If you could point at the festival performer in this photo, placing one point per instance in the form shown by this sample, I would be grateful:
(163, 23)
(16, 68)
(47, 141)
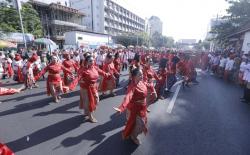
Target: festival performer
(10, 91)
(148, 76)
(17, 66)
(172, 61)
(204, 61)
(71, 65)
(242, 70)
(54, 81)
(135, 101)
(4, 150)
(161, 83)
(87, 76)
(117, 64)
(8, 71)
(28, 74)
(183, 70)
(109, 83)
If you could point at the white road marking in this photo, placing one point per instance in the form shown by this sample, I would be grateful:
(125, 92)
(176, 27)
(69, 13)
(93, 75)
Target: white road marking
(172, 102)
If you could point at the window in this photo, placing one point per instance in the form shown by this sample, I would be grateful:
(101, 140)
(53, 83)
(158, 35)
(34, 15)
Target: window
(79, 38)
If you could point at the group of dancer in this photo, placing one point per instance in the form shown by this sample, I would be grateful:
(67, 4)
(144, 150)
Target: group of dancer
(98, 72)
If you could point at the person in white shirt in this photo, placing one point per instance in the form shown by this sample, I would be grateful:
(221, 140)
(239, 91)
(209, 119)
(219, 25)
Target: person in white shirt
(100, 59)
(242, 70)
(215, 64)
(222, 65)
(229, 68)
(246, 78)
(124, 57)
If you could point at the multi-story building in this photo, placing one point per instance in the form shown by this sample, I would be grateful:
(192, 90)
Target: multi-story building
(154, 24)
(106, 16)
(57, 19)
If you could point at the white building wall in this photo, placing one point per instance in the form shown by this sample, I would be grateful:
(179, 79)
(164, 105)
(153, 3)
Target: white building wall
(85, 7)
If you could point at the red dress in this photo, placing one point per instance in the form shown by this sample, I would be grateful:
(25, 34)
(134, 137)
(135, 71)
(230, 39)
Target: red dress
(4, 150)
(108, 82)
(70, 65)
(148, 75)
(117, 64)
(7, 91)
(88, 80)
(54, 76)
(162, 74)
(135, 100)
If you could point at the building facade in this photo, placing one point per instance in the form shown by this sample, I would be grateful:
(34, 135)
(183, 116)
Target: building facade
(154, 24)
(106, 16)
(57, 19)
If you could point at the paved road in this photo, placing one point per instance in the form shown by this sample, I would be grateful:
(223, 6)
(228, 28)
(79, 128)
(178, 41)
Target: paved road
(207, 119)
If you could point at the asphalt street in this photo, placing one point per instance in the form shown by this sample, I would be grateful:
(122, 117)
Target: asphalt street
(206, 119)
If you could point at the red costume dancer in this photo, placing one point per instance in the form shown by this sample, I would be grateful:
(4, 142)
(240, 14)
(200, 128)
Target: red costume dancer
(28, 72)
(182, 67)
(9, 91)
(54, 81)
(87, 77)
(161, 83)
(108, 83)
(135, 101)
(70, 65)
(8, 71)
(4, 150)
(148, 76)
(17, 67)
(204, 61)
(191, 70)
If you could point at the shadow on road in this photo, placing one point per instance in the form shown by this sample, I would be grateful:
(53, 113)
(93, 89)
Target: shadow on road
(46, 134)
(114, 145)
(27, 107)
(96, 134)
(60, 110)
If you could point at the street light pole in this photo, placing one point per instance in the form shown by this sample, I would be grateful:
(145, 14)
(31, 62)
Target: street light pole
(21, 23)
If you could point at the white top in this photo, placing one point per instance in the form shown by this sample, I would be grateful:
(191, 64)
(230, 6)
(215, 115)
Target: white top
(223, 62)
(243, 66)
(100, 59)
(246, 76)
(16, 64)
(216, 60)
(229, 65)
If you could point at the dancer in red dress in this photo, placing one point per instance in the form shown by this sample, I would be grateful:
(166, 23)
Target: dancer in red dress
(54, 81)
(135, 101)
(17, 67)
(117, 64)
(70, 65)
(108, 83)
(148, 76)
(87, 77)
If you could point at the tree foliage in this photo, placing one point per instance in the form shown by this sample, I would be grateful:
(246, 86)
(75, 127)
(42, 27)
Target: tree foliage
(238, 16)
(9, 20)
(139, 39)
(159, 40)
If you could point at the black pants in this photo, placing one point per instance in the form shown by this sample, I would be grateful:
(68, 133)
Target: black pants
(124, 66)
(246, 94)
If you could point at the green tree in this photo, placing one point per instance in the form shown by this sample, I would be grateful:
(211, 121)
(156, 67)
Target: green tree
(238, 16)
(31, 20)
(9, 20)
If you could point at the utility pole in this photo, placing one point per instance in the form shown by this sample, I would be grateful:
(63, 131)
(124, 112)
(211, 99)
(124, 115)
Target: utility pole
(92, 14)
(21, 23)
